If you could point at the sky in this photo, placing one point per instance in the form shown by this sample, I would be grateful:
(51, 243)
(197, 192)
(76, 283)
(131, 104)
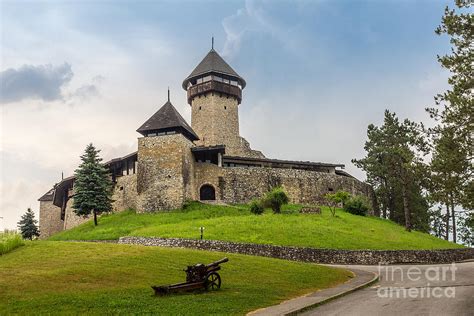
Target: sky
(317, 72)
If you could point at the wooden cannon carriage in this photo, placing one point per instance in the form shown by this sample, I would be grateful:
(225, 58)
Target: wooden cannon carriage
(198, 276)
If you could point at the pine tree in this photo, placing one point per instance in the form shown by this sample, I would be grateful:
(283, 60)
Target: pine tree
(395, 167)
(92, 186)
(455, 107)
(452, 181)
(448, 175)
(28, 225)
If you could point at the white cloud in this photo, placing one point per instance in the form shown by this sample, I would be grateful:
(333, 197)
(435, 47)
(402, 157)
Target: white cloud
(43, 82)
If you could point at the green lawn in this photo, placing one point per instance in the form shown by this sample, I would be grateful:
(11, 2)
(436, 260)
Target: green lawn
(236, 223)
(46, 277)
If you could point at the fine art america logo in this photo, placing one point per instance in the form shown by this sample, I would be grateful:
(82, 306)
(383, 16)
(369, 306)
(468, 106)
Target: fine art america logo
(424, 282)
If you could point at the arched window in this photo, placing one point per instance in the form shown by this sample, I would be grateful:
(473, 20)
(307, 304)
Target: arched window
(207, 193)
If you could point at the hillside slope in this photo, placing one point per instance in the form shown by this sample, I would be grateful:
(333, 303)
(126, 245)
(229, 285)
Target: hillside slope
(75, 278)
(236, 223)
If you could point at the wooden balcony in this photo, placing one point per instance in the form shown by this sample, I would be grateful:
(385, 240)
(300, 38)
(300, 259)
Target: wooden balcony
(214, 86)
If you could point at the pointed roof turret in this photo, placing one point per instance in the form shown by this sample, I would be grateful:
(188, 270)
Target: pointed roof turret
(167, 119)
(213, 63)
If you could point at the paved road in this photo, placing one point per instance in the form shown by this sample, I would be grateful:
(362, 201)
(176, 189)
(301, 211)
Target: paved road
(410, 290)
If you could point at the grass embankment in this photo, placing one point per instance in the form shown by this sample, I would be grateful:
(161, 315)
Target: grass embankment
(91, 278)
(9, 241)
(236, 223)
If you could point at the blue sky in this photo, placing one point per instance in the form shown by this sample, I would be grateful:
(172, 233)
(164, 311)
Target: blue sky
(317, 72)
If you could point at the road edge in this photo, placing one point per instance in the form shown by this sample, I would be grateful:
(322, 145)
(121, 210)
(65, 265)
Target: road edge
(302, 306)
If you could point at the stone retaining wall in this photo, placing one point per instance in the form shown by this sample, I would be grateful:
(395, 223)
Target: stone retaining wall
(327, 256)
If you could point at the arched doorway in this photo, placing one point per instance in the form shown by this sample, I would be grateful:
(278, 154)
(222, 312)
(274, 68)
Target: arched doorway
(207, 193)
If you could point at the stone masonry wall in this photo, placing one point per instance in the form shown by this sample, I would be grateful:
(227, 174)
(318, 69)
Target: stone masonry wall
(49, 219)
(70, 218)
(125, 193)
(165, 172)
(215, 119)
(240, 185)
(207, 173)
(326, 256)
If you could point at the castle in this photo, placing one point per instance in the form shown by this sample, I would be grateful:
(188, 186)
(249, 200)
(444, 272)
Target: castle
(206, 161)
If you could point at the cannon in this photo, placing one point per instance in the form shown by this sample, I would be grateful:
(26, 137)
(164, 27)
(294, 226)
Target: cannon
(198, 276)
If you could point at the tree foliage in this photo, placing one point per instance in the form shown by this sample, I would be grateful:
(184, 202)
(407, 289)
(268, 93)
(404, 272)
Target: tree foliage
(455, 107)
(92, 186)
(452, 183)
(256, 207)
(395, 168)
(337, 199)
(275, 199)
(357, 205)
(449, 179)
(28, 225)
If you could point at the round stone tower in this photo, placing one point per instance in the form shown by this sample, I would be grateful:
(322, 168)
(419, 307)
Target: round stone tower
(214, 93)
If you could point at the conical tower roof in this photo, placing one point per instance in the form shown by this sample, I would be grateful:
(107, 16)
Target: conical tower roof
(167, 118)
(213, 63)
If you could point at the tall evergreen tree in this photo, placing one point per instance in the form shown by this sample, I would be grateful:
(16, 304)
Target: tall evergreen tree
(92, 186)
(448, 175)
(28, 225)
(455, 107)
(452, 181)
(394, 166)
(437, 223)
(466, 229)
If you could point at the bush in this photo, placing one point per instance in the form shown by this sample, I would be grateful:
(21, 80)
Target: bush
(357, 205)
(256, 207)
(275, 199)
(335, 199)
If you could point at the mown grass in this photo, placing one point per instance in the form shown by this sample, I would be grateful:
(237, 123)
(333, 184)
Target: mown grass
(97, 279)
(236, 223)
(10, 241)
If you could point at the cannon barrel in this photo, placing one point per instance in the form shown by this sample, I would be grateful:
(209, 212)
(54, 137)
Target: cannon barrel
(218, 262)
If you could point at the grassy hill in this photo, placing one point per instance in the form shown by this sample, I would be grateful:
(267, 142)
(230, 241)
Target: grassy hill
(236, 223)
(46, 277)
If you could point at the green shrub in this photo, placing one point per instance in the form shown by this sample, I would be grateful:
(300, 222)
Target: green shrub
(335, 199)
(357, 205)
(256, 207)
(275, 199)
(9, 241)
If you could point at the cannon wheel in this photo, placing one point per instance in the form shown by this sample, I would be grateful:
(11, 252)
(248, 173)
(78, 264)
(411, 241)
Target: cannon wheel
(213, 281)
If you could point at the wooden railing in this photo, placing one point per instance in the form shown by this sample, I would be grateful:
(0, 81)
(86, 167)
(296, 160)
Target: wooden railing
(214, 86)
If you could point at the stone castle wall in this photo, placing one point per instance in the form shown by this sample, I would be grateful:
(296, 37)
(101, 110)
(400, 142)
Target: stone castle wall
(125, 193)
(165, 172)
(71, 219)
(241, 185)
(50, 221)
(207, 173)
(215, 119)
(209, 113)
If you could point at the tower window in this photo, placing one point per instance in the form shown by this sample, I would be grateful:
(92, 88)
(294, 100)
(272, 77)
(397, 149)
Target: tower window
(225, 108)
(199, 108)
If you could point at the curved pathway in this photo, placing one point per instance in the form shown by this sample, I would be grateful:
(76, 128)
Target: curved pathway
(410, 290)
